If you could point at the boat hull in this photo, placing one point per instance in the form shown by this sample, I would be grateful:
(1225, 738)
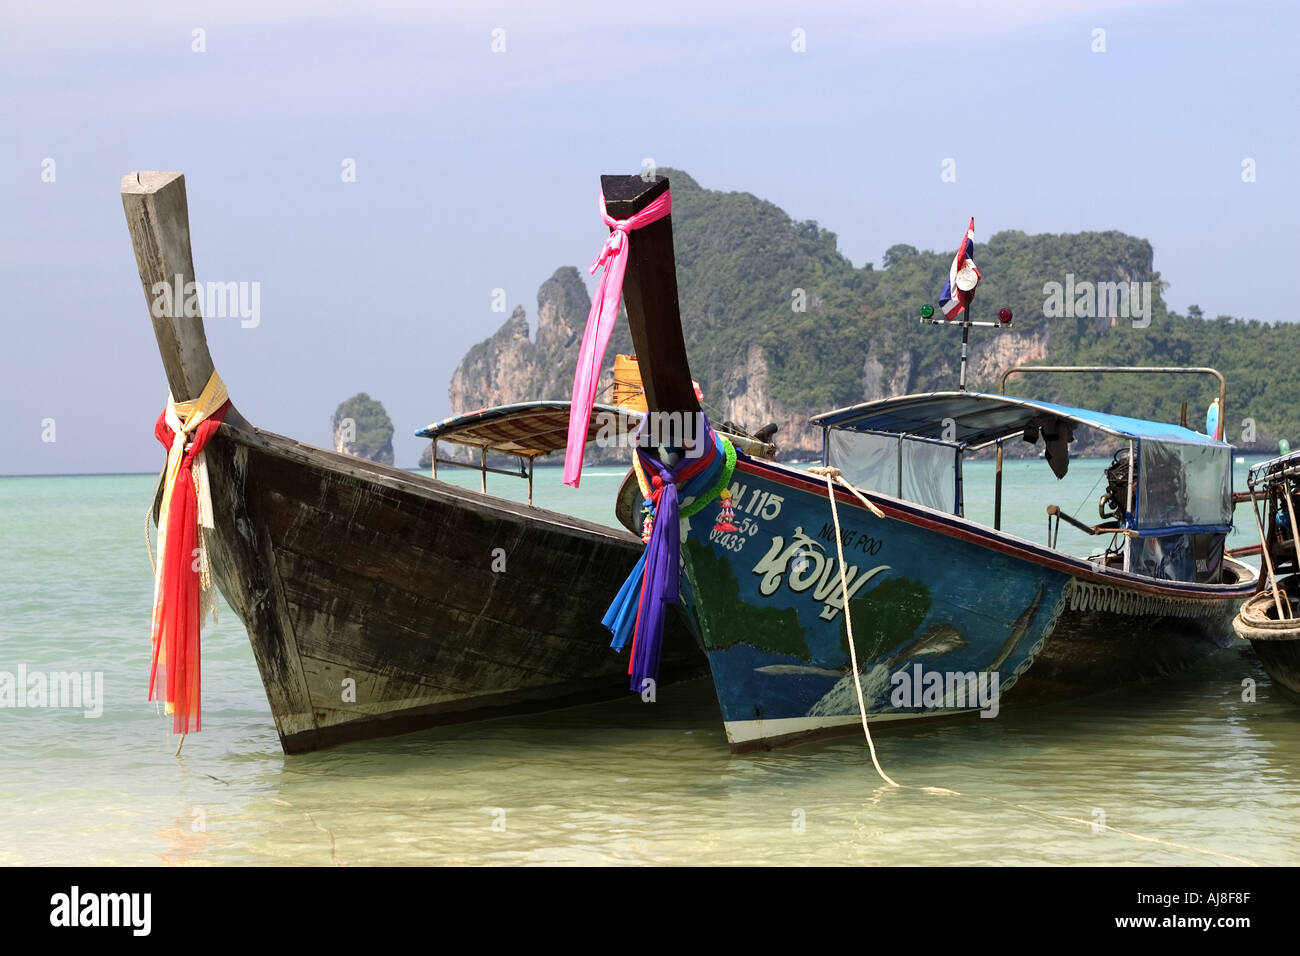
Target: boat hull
(1282, 661)
(1276, 641)
(379, 602)
(949, 618)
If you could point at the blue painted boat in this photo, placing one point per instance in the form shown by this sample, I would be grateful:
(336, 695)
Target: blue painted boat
(949, 616)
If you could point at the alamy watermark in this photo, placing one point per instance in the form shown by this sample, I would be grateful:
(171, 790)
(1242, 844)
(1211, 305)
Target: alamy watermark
(76, 908)
(678, 430)
(76, 690)
(1088, 300)
(950, 690)
(217, 300)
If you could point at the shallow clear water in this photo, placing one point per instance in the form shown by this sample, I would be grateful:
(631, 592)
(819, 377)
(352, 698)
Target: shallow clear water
(1186, 761)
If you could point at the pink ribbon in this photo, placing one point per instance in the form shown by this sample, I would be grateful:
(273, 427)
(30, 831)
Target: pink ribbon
(600, 325)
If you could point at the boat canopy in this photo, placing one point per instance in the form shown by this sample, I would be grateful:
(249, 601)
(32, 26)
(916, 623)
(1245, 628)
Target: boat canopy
(526, 429)
(912, 446)
(976, 418)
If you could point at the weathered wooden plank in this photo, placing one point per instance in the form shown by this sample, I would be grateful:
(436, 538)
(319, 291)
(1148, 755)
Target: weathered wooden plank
(242, 568)
(463, 568)
(394, 588)
(159, 222)
(384, 628)
(376, 478)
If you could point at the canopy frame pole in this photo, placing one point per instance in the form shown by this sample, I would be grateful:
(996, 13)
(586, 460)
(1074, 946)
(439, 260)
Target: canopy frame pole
(530, 482)
(482, 469)
(965, 340)
(435, 459)
(452, 463)
(1128, 507)
(997, 490)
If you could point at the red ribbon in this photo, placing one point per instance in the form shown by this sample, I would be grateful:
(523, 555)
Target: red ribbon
(176, 623)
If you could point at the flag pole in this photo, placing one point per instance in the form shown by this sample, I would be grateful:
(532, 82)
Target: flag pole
(967, 298)
(965, 337)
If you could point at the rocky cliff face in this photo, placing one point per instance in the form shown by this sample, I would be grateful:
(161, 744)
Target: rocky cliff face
(1000, 351)
(511, 366)
(496, 371)
(747, 401)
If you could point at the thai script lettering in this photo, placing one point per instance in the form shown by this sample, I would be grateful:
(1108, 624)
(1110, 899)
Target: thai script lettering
(803, 565)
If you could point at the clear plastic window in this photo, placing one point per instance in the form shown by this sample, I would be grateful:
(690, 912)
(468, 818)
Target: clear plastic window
(1183, 485)
(923, 472)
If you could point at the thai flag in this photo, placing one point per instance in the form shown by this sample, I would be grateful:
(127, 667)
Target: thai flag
(953, 300)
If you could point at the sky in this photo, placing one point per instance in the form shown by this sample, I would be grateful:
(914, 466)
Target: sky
(477, 134)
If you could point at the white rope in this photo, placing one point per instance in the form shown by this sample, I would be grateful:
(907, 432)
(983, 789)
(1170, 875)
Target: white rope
(831, 474)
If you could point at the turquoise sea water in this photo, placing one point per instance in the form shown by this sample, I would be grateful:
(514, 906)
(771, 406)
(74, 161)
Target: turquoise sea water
(1186, 762)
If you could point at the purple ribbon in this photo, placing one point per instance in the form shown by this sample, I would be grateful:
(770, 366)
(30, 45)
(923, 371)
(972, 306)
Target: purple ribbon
(660, 585)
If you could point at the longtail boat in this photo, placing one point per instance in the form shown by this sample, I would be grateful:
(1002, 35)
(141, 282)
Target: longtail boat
(1270, 619)
(376, 601)
(948, 615)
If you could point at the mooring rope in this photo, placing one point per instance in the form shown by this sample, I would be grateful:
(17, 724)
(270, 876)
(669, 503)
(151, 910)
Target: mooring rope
(831, 474)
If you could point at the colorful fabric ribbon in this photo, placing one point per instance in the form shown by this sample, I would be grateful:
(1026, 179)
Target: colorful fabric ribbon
(181, 576)
(639, 609)
(600, 325)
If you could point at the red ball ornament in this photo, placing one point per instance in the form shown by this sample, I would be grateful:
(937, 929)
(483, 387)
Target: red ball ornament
(1004, 316)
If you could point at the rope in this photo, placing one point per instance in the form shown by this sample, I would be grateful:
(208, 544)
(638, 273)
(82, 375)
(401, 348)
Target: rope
(848, 618)
(148, 542)
(148, 514)
(831, 473)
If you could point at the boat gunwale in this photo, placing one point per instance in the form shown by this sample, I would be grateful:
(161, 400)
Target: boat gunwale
(399, 479)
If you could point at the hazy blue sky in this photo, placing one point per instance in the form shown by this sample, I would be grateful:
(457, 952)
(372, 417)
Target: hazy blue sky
(478, 170)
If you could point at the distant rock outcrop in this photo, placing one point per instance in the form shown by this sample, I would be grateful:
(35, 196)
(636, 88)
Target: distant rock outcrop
(363, 429)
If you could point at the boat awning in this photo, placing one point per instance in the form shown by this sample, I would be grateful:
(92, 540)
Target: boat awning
(527, 429)
(975, 418)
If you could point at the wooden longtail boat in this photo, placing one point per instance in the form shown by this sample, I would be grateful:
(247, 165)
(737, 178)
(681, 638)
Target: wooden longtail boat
(1270, 620)
(949, 615)
(343, 570)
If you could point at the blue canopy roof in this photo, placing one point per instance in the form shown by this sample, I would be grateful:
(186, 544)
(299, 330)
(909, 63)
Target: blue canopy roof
(979, 418)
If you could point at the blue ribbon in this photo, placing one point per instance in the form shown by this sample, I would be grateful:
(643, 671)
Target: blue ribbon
(654, 583)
